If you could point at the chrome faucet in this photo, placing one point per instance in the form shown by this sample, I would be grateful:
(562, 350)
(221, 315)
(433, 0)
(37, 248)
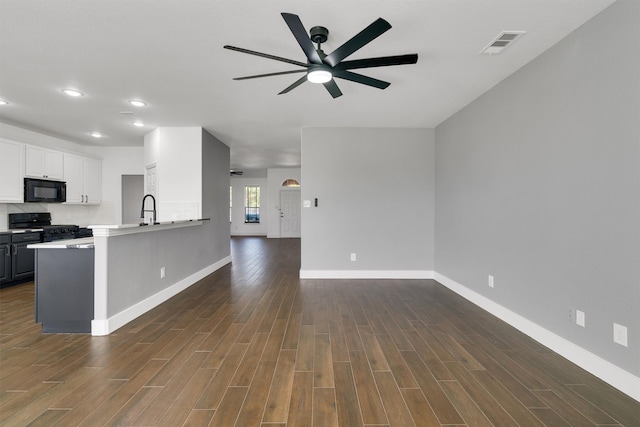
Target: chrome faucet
(143, 210)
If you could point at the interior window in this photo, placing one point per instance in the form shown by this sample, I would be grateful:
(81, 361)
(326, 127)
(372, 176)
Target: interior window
(252, 204)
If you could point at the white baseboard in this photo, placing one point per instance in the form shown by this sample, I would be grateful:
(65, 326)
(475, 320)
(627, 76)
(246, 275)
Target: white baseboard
(606, 371)
(101, 327)
(366, 274)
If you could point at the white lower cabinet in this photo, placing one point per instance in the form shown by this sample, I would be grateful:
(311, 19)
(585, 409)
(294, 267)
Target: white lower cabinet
(84, 179)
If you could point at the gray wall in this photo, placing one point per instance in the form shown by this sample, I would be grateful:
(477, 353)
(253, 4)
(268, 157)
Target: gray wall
(538, 184)
(375, 198)
(135, 260)
(215, 195)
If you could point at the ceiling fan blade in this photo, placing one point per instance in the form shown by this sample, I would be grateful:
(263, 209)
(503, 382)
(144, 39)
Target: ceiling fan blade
(294, 85)
(333, 88)
(266, 55)
(359, 78)
(383, 61)
(269, 74)
(299, 32)
(374, 30)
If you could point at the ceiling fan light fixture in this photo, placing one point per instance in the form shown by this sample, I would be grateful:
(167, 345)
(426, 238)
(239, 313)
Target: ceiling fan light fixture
(319, 75)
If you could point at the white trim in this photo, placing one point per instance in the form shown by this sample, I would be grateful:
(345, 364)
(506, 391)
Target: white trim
(366, 274)
(101, 327)
(606, 371)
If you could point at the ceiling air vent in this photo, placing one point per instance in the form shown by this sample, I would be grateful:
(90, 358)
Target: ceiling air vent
(501, 42)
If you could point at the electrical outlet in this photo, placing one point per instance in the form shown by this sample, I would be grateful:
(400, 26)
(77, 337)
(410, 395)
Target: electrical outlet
(580, 320)
(570, 314)
(353, 256)
(162, 272)
(620, 334)
(490, 281)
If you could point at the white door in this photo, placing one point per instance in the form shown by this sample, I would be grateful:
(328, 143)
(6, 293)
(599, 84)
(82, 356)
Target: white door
(290, 213)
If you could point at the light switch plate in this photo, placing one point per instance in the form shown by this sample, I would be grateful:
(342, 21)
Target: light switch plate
(580, 320)
(620, 334)
(306, 203)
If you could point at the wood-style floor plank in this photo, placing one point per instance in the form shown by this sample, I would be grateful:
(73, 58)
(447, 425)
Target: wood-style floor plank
(254, 345)
(301, 404)
(324, 407)
(347, 406)
(370, 401)
(395, 406)
(281, 385)
(254, 404)
(227, 414)
(465, 405)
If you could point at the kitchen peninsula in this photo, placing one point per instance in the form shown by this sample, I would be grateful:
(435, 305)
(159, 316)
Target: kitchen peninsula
(99, 284)
(138, 267)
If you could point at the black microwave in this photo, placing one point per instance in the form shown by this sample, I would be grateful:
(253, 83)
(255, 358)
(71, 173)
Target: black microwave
(44, 191)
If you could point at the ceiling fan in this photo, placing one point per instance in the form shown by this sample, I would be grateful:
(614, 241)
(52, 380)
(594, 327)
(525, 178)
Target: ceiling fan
(323, 68)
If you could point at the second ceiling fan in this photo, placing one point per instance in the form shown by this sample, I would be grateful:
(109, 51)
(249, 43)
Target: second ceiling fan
(322, 68)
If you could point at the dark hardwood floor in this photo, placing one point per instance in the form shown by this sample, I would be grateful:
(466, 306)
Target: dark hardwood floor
(253, 345)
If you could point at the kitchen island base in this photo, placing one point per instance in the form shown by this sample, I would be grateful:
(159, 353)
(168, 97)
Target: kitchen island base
(64, 290)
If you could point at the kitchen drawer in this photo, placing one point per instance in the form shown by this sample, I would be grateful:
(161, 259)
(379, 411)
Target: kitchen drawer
(5, 238)
(26, 237)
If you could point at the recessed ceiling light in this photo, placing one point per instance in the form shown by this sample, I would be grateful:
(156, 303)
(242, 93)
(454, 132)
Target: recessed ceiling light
(72, 92)
(137, 123)
(137, 103)
(96, 134)
(3, 102)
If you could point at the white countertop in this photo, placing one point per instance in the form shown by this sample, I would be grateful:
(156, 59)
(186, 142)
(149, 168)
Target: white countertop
(20, 230)
(122, 229)
(83, 243)
(121, 226)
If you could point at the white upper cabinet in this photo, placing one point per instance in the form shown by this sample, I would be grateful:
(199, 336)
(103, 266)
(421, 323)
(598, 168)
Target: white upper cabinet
(92, 175)
(43, 163)
(84, 179)
(73, 177)
(11, 185)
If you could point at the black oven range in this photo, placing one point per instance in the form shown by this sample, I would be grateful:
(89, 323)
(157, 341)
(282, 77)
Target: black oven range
(42, 221)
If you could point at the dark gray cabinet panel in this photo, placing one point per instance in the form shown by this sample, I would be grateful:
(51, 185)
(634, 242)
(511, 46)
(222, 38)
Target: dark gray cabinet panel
(64, 290)
(23, 258)
(5, 258)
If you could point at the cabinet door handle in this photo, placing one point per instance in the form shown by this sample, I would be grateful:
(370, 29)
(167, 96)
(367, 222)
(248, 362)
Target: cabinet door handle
(86, 197)
(15, 249)
(82, 198)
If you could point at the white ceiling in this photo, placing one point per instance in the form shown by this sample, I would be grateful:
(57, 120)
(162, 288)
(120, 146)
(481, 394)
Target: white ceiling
(169, 53)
